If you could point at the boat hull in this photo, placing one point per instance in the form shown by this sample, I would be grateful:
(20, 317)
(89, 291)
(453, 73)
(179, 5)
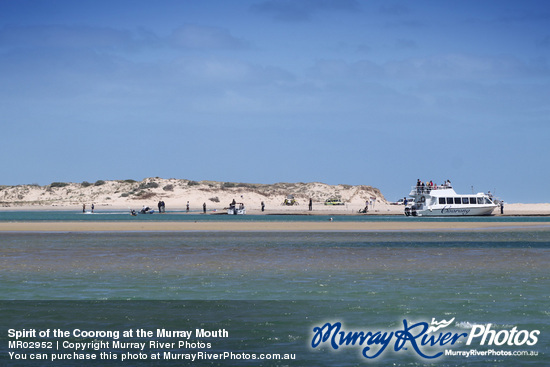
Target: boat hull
(453, 211)
(236, 211)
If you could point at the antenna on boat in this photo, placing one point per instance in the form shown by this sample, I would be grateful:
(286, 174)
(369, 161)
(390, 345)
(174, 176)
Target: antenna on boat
(472, 189)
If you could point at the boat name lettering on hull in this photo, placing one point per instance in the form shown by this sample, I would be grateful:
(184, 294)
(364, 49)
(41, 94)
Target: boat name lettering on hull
(455, 211)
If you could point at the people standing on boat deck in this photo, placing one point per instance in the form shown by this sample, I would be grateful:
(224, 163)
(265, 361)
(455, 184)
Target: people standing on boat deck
(430, 186)
(263, 206)
(204, 208)
(310, 204)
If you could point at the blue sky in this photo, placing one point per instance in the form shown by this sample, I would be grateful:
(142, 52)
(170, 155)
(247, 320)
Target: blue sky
(355, 92)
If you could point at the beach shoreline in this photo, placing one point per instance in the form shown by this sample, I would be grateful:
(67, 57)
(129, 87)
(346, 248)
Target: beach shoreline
(516, 209)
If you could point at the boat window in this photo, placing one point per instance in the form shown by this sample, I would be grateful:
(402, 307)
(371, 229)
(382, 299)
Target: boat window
(441, 200)
(488, 201)
(473, 200)
(480, 200)
(457, 201)
(449, 200)
(465, 201)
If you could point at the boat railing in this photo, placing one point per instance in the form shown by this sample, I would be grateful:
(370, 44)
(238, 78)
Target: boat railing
(418, 190)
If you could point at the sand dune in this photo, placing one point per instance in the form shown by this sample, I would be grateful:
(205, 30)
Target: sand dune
(124, 194)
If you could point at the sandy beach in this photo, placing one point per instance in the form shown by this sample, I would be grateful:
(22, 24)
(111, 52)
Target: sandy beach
(263, 226)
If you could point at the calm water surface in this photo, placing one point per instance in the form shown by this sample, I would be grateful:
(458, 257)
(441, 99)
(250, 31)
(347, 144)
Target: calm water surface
(271, 289)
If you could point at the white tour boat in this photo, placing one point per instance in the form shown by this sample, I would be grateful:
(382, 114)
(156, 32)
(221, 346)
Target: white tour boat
(439, 201)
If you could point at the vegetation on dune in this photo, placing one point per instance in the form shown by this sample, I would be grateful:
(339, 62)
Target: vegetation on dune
(64, 193)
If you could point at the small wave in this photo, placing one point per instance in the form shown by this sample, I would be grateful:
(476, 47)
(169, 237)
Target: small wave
(469, 325)
(465, 324)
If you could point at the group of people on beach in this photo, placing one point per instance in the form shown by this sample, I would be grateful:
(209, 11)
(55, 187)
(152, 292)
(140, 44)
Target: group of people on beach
(162, 208)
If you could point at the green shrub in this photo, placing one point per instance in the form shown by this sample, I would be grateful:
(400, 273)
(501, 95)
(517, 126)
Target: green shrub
(142, 195)
(59, 184)
(148, 185)
(85, 184)
(99, 183)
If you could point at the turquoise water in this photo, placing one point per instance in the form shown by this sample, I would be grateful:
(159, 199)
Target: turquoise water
(271, 289)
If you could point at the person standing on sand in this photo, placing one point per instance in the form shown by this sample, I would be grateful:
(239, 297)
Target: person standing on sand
(93, 207)
(187, 207)
(204, 208)
(310, 204)
(160, 206)
(83, 208)
(263, 206)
